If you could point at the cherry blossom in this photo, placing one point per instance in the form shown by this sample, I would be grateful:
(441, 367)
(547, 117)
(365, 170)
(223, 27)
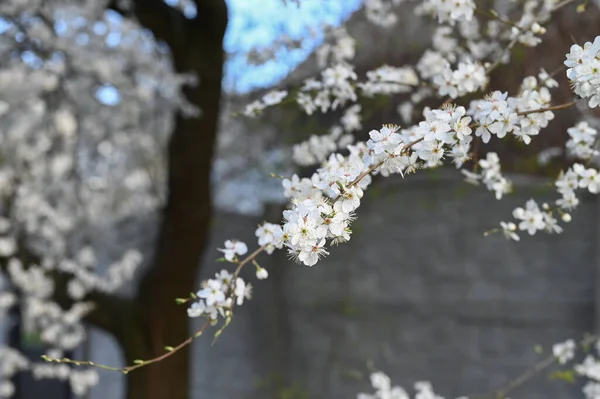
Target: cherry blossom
(233, 248)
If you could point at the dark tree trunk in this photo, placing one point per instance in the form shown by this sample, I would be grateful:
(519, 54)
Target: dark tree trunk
(168, 379)
(197, 46)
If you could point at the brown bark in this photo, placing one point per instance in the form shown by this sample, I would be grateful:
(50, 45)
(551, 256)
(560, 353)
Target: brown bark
(156, 321)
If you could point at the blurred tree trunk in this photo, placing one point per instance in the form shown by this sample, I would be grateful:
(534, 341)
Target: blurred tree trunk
(155, 320)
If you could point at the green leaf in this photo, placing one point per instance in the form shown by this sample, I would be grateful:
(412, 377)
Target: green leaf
(565, 375)
(218, 333)
(138, 361)
(169, 348)
(586, 347)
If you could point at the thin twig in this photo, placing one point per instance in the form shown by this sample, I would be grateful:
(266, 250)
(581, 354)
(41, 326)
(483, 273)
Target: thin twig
(528, 374)
(562, 4)
(139, 363)
(496, 17)
(551, 108)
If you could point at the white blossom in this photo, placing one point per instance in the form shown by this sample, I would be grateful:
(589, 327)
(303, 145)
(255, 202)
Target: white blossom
(233, 248)
(584, 71)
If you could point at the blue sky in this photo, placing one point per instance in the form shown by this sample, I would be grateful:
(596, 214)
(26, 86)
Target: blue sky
(256, 23)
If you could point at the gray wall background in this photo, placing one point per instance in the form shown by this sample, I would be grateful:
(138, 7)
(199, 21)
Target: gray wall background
(419, 293)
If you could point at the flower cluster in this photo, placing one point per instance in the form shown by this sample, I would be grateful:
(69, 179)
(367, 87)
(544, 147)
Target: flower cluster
(533, 218)
(384, 389)
(380, 13)
(11, 362)
(389, 80)
(86, 279)
(273, 97)
(341, 48)
(351, 121)
(490, 175)
(218, 295)
(499, 114)
(444, 132)
(270, 236)
(450, 11)
(528, 28)
(442, 128)
(316, 149)
(233, 248)
(80, 380)
(260, 55)
(577, 176)
(334, 89)
(584, 71)
(59, 328)
(564, 351)
(323, 205)
(590, 368)
(312, 221)
(582, 141)
(469, 77)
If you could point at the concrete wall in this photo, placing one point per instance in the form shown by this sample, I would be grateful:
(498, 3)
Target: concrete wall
(419, 292)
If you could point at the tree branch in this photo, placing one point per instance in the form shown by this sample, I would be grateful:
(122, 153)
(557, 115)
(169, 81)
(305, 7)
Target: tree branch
(165, 22)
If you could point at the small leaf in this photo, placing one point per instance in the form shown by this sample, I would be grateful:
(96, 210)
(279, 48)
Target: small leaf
(586, 347)
(581, 8)
(180, 301)
(566, 375)
(538, 349)
(138, 361)
(218, 333)
(169, 348)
